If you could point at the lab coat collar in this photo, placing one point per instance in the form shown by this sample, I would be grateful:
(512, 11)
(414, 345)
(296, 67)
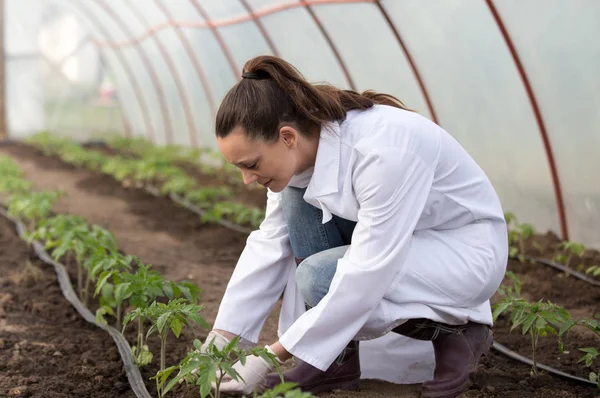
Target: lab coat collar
(324, 180)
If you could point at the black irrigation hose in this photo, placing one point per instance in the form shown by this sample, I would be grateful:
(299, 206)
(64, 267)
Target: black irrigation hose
(513, 355)
(133, 373)
(563, 268)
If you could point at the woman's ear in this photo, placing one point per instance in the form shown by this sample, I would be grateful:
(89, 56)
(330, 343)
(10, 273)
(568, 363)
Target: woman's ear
(289, 136)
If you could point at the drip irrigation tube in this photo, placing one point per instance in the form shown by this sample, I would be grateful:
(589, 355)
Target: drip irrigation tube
(518, 357)
(563, 268)
(133, 373)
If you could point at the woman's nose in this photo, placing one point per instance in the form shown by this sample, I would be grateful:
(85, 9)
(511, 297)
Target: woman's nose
(249, 177)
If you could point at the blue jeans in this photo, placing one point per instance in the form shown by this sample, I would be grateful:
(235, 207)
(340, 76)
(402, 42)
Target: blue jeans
(316, 246)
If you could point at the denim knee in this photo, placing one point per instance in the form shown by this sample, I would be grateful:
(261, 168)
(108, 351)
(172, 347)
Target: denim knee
(315, 273)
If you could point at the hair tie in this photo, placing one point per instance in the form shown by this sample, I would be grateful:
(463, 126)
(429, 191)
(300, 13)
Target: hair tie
(258, 75)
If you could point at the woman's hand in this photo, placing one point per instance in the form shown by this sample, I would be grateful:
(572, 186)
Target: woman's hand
(253, 373)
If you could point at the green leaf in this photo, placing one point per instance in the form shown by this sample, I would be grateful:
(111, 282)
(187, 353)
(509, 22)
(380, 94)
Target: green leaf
(566, 327)
(104, 276)
(540, 323)
(500, 308)
(161, 322)
(176, 327)
(529, 320)
(122, 291)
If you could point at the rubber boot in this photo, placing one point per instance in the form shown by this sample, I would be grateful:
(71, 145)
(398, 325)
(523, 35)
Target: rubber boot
(343, 374)
(457, 352)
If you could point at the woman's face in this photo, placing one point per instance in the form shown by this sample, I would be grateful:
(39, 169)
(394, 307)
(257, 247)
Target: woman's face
(270, 164)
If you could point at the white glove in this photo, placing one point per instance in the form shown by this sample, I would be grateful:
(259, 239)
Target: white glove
(220, 341)
(254, 373)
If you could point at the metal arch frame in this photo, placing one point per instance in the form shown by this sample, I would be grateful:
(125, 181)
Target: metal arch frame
(126, 122)
(332, 46)
(218, 37)
(178, 82)
(134, 83)
(57, 67)
(195, 63)
(538, 118)
(410, 60)
(226, 21)
(149, 67)
(260, 27)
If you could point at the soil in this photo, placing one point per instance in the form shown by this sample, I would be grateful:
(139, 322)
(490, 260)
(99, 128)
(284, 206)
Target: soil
(46, 348)
(180, 247)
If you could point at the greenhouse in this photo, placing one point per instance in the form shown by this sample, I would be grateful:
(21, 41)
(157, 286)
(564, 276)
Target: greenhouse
(168, 180)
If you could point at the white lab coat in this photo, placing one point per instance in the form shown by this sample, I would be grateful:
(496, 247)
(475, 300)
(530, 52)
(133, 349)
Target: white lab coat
(430, 241)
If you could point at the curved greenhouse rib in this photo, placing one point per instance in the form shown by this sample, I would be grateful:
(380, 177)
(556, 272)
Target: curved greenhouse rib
(195, 61)
(539, 120)
(146, 62)
(410, 60)
(261, 28)
(218, 37)
(332, 45)
(126, 122)
(174, 72)
(225, 21)
(126, 67)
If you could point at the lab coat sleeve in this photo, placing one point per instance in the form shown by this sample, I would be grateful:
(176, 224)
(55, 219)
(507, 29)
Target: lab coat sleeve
(391, 187)
(260, 276)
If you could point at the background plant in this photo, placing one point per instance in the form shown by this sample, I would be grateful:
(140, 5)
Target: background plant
(518, 233)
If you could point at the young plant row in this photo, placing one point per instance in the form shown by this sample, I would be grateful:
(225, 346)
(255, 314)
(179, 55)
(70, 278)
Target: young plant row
(206, 160)
(127, 289)
(542, 319)
(571, 254)
(153, 172)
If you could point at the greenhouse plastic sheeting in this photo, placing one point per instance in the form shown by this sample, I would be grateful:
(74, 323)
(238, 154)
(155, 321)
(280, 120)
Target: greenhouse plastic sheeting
(515, 81)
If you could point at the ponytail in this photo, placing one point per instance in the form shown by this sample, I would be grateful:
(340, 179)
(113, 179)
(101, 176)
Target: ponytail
(273, 93)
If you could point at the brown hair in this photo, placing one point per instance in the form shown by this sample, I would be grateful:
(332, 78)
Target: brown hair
(274, 93)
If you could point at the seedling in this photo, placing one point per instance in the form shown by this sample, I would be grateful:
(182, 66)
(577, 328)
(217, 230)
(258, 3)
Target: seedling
(141, 288)
(206, 197)
(237, 212)
(14, 184)
(517, 235)
(594, 270)
(8, 167)
(64, 234)
(32, 207)
(590, 355)
(164, 317)
(205, 369)
(103, 267)
(177, 185)
(538, 319)
(571, 250)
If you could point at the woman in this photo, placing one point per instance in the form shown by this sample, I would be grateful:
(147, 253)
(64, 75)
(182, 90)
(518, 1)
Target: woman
(392, 225)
